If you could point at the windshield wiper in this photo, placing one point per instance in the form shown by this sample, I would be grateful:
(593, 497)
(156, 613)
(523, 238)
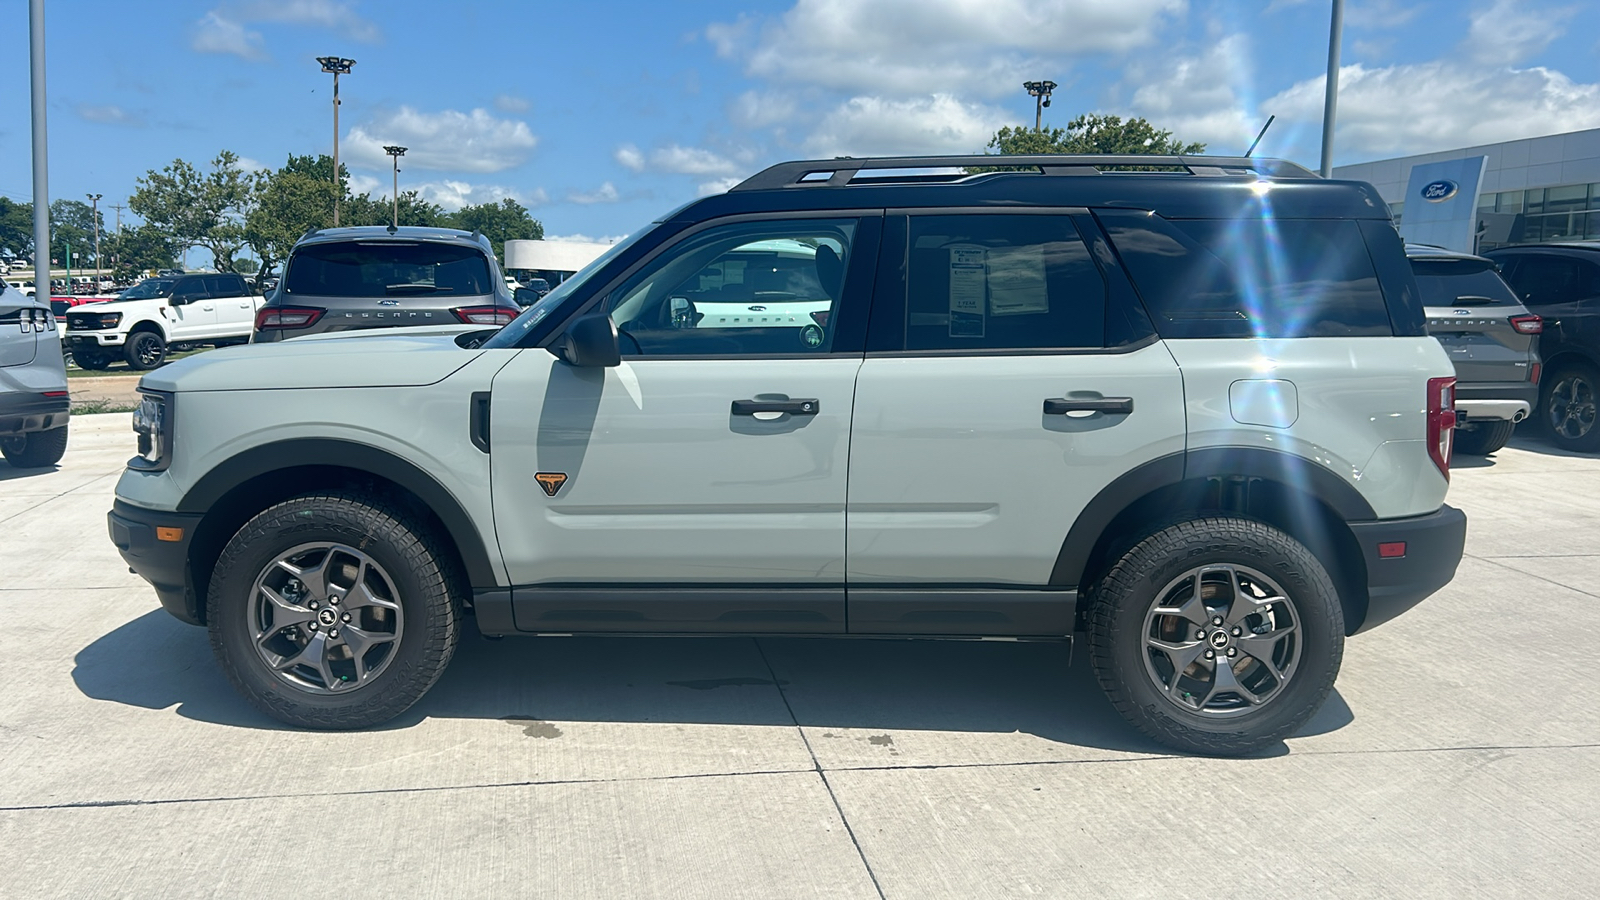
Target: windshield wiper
(412, 289)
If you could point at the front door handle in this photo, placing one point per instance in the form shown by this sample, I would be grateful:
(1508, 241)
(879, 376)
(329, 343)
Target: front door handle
(800, 407)
(1058, 406)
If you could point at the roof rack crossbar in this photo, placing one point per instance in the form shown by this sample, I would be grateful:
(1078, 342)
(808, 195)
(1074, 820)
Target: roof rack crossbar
(840, 172)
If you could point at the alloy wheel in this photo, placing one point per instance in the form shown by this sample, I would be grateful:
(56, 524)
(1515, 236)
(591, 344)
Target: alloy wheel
(325, 618)
(1572, 406)
(1221, 641)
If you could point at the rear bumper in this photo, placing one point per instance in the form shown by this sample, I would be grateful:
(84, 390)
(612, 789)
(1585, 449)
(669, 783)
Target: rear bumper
(1508, 401)
(163, 563)
(1433, 545)
(25, 413)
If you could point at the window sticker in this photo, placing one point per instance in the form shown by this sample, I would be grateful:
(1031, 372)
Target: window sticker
(968, 277)
(1016, 281)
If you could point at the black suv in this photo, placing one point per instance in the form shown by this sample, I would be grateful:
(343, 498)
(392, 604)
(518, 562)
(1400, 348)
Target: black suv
(1561, 282)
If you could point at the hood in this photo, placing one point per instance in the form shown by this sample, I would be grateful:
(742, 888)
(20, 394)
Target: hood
(366, 359)
(113, 305)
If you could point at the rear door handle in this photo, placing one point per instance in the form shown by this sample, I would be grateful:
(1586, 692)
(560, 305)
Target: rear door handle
(800, 407)
(1059, 406)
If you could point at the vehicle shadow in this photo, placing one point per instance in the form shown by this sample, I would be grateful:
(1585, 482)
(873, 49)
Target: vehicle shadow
(1527, 438)
(9, 472)
(952, 686)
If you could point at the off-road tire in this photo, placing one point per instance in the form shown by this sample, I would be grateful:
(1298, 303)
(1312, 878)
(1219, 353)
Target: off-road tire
(1484, 438)
(92, 361)
(1119, 602)
(1569, 435)
(144, 350)
(36, 449)
(430, 590)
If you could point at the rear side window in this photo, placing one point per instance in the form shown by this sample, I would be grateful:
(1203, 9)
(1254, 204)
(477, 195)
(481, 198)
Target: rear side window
(1265, 278)
(1461, 282)
(387, 269)
(224, 285)
(1545, 279)
(1002, 282)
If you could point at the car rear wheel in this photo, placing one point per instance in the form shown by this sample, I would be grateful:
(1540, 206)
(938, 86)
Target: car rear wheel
(144, 350)
(1568, 407)
(1483, 438)
(334, 611)
(1217, 636)
(36, 449)
(92, 360)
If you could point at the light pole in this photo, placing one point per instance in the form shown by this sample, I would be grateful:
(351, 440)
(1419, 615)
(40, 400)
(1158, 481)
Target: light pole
(1330, 99)
(336, 66)
(1040, 92)
(396, 153)
(41, 179)
(94, 200)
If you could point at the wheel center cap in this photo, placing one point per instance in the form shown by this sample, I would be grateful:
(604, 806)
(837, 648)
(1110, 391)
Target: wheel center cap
(327, 618)
(1219, 639)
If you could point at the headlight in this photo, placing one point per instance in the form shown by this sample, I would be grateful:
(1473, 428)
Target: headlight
(110, 320)
(152, 422)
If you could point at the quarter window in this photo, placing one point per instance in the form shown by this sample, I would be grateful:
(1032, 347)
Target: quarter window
(1001, 282)
(1547, 280)
(750, 288)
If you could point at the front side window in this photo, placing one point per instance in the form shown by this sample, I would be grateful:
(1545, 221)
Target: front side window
(750, 288)
(394, 269)
(148, 289)
(1264, 278)
(1001, 282)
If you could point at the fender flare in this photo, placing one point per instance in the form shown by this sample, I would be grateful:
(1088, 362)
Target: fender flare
(1253, 462)
(265, 459)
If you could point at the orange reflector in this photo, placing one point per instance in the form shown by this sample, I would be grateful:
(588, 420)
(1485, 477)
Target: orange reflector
(1392, 550)
(163, 533)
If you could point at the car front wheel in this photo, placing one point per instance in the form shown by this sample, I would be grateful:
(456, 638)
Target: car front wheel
(145, 350)
(333, 611)
(1218, 636)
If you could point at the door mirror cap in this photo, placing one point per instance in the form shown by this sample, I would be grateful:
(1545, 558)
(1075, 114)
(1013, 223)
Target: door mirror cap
(525, 296)
(591, 342)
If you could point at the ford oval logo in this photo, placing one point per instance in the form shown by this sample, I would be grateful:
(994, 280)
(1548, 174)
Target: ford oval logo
(388, 302)
(1439, 191)
(758, 309)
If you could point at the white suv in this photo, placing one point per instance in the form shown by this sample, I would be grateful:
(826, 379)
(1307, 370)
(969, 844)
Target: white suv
(148, 318)
(1194, 413)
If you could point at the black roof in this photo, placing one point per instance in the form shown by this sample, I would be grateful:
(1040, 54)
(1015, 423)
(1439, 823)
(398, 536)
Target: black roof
(1192, 187)
(1431, 252)
(1591, 246)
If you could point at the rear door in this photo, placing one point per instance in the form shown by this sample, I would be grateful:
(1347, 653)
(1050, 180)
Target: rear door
(235, 310)
(1008, 380)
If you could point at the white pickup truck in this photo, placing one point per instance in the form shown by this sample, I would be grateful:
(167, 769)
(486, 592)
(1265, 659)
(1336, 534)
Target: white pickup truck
(148, 318)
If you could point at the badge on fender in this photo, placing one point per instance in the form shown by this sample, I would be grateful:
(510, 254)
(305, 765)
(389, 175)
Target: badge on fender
(550, 481)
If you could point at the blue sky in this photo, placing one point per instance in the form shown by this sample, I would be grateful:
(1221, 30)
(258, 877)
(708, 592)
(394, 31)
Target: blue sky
(601, 116)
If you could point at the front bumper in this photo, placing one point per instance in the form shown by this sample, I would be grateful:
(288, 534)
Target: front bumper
(150, 555)
(1433, 545)
(77, 339)
(24, 413)
(1507, 401)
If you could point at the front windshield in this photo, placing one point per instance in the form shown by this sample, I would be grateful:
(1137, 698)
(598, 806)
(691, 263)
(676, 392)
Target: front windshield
(148, 289)
(511, 334)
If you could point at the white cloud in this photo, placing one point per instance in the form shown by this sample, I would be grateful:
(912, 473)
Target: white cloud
(629, 157)
(761, 109)
(1508, 32)
(215, 33)
(605, 193)
(510, 103)
(452, 194)
(448, 140)
(1196, 96)
(906, 47)
(361, 184)
(226, 30)
(875, 126)
(718, 186)
(690, 161)
(584, 238)
(110, 114)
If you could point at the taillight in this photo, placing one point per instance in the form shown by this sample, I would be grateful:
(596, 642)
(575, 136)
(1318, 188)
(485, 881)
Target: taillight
(821, 317)
(484, 315)
(1528, 324)
(288, 316)
(1534, 371)
(1441, 422)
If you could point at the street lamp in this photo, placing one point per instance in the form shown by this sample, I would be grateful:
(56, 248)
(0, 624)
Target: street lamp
(1040, 92)
(336, 66)
(396, 152)
(94, 199)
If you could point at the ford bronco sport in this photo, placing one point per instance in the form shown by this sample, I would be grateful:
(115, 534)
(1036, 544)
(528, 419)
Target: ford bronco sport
(1194, 414)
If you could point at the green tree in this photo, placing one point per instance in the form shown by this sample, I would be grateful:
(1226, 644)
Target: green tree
(507, 220)
(72, 222)
(142, 249)
(414, 210)
(200, 209)
(1091, 133)
(16, 228)
(289, 202)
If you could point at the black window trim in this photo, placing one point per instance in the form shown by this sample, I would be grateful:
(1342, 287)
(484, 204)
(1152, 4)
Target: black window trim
(868, 238)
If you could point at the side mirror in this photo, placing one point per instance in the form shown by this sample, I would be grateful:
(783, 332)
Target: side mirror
(525, 296)
(592, 342)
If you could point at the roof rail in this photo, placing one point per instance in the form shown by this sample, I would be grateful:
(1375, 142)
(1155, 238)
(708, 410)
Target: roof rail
(843, 171)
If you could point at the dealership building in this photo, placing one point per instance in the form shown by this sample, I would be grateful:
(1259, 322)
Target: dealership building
(1535, 189)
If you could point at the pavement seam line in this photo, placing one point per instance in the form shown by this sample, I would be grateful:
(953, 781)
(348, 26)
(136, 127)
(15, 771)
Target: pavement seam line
(817, 767)
(901, 767)
(1495, 562)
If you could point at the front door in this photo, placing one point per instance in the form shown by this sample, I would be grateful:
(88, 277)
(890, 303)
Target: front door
(1005, 385)
(190, 313)
(700, 485)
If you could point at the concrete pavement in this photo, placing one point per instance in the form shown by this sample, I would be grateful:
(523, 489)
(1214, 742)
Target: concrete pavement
(1457, 756)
